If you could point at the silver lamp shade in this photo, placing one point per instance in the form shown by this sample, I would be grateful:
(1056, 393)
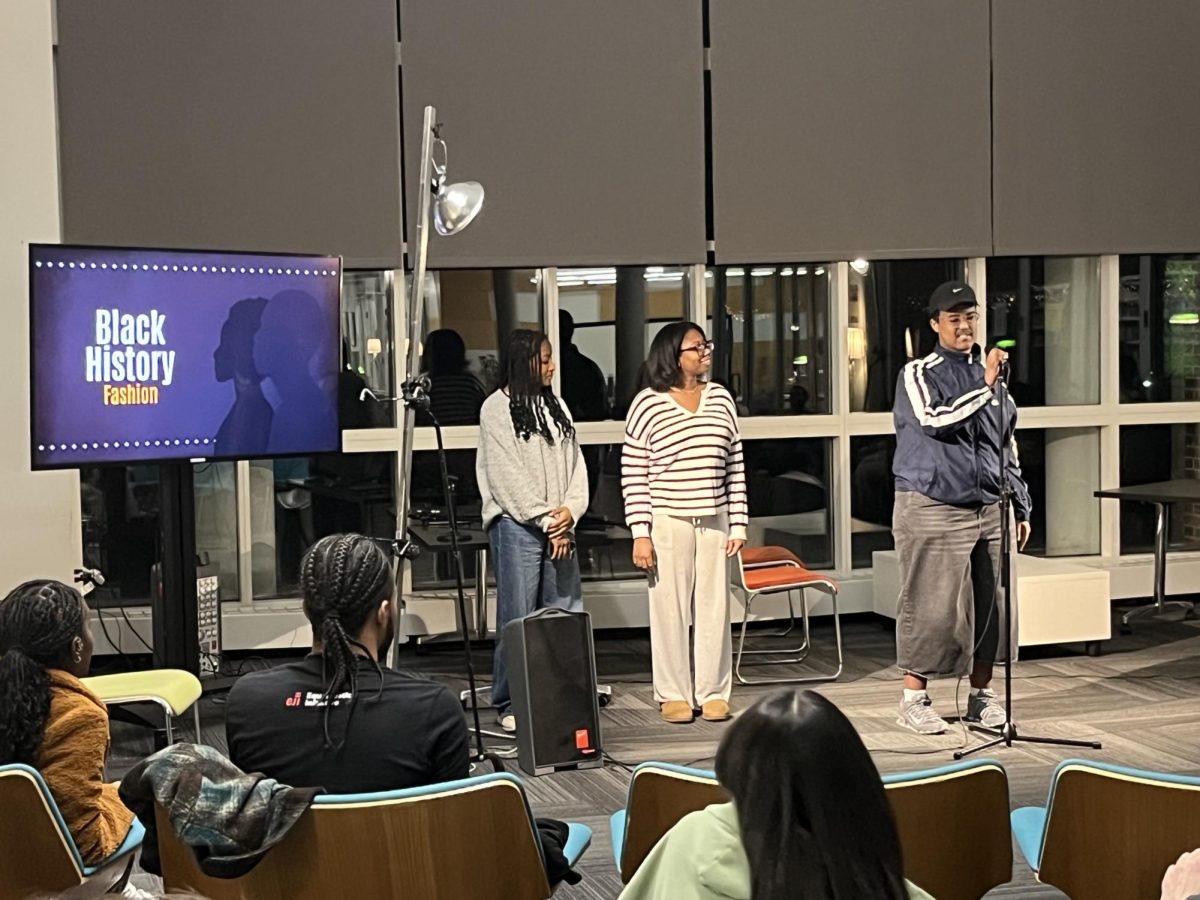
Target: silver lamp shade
(456, 205)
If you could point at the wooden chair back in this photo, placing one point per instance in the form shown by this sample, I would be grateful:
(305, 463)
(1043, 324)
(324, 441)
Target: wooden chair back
(466, 840)
(954, 828)
(37, 854)
(1111, 833)
(659, 796)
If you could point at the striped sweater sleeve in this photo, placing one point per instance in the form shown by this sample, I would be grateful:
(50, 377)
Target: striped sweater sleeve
(635, 466)
(735, 487)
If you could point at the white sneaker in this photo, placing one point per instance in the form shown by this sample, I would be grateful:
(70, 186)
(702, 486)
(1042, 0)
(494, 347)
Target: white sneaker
(986, 709)
(507, 723)
(919, 715)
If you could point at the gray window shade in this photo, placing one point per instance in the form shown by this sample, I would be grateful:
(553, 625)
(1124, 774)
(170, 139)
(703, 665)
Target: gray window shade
(584, 122)
(271, 125)
(850, 128)
(1096, 132)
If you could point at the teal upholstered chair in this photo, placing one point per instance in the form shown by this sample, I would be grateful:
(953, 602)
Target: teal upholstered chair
(1108, 831)
(37, 853)
(473, 839)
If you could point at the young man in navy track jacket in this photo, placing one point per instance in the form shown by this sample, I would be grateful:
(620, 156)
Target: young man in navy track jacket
(950, 429)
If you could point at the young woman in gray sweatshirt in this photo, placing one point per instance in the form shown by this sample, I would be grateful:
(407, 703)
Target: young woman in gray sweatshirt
(534, 486)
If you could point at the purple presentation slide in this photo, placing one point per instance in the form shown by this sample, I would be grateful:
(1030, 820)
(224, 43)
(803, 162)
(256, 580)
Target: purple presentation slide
(143, 355)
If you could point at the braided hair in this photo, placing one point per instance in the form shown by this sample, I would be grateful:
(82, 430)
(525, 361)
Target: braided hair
(38, 623)
(343, 578)
(528, 399)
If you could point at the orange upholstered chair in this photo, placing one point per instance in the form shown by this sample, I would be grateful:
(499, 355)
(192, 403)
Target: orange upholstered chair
(776, 570)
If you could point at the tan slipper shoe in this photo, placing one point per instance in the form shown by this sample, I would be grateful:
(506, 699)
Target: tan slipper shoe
(716, 711)
(677, 712)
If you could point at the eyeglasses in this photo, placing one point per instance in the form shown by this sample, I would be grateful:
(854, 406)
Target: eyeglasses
(703, 349)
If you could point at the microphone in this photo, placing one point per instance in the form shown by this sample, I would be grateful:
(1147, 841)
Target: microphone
(415, 392)
(88, 579)
(89, 576)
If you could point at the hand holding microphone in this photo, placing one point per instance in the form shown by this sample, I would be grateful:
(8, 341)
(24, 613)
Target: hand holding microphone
(996, 366)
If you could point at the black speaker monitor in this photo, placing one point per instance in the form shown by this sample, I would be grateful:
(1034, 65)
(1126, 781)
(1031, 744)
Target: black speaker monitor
(552, 678)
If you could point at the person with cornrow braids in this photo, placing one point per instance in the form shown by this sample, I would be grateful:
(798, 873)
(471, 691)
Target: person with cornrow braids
(339, 718)
(534, 486)
(49, 720)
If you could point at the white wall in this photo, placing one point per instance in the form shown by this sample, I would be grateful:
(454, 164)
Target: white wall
(39, 512)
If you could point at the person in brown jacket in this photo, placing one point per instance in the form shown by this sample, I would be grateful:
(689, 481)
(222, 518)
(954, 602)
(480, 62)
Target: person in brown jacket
(50, 720)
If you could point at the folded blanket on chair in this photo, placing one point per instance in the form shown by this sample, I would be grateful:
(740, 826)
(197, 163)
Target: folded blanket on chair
(229, 818)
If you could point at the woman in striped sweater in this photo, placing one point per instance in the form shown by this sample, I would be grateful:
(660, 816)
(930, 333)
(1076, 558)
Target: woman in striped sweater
(685, 502)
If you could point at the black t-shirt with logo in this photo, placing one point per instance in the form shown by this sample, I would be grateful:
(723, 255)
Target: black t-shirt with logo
(411, 734)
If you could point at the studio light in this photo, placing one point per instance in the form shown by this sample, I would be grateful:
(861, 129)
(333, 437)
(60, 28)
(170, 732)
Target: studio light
(455, 206)
(451, 208)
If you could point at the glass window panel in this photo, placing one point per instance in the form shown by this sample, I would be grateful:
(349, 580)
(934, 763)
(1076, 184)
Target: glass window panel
(469, 314)
(1062, 468)
(367, 349)
(1151, 453)
(1160, 328)
(872, 496)
(772, 335)
(120, 516)
(294, 502)
(120, 506)
(889, 323)
(434, 571)
(614, 313)
(214, 487)
(1045, 310)
(788, 484)
(605, 545)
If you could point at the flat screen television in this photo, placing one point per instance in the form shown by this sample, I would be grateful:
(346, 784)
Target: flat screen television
(155, 355)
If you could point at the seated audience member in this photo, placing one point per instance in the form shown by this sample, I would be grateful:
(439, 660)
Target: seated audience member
(315, 723)
(339, 719)
(809, 818)
(1182, 879)
(49, 720)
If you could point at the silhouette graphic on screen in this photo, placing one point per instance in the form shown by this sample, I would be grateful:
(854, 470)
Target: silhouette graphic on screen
(284, 350)
(247, 426)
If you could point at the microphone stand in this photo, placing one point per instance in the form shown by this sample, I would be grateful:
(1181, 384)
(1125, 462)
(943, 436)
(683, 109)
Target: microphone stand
(415, 396)
(1008, 731)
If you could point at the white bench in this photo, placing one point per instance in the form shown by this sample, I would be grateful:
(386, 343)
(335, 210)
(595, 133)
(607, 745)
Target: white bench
(1057, 602)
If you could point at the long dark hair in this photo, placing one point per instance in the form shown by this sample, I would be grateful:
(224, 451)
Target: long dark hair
(810, 802)
(38, 623)
(528, 399)
(343, 579)
(661, 372)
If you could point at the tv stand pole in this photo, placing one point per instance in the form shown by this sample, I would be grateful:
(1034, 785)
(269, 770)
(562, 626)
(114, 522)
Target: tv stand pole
(175, 628)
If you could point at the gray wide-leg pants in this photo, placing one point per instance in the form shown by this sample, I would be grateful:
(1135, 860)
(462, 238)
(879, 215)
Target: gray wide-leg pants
(951, 609)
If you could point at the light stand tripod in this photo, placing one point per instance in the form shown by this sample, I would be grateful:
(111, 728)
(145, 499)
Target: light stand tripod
(1008, 731)
(449, 208)
(415, 396)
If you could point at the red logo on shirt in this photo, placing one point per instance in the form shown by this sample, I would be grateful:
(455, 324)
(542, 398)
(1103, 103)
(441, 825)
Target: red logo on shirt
(293, 700)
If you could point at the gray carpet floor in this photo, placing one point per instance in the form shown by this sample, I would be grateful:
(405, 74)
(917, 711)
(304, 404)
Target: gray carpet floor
(1140, 698)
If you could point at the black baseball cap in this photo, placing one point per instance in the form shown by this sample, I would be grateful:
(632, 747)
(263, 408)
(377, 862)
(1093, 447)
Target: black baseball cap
(951, 295)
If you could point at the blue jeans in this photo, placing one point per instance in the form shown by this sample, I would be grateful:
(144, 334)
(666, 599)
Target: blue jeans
(519, 552)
